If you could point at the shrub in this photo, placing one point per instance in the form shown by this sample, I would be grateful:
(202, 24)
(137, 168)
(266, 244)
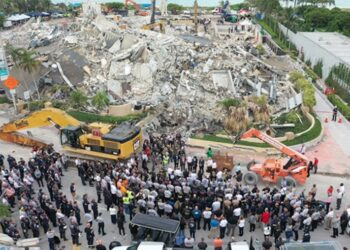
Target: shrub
(309, 98)
(318, 68)
(301, 84)
(78, 99)
(260, 48)
(90, 117)
(342, 107)
(308, 62)
(3, 99)
(36, 105)
(304, 86)
(230, 102)
(292, 117)
(295, 76)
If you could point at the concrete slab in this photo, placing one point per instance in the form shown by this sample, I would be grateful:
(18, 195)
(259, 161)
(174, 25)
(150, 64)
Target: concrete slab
(115, 87)
(223, 79)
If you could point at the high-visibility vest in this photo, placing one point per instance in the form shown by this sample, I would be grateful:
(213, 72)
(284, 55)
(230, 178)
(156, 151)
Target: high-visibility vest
(166, 159)
(126, 200)
(130, 195)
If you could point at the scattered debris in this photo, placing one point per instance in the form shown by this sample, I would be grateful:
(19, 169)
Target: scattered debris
(184, 77)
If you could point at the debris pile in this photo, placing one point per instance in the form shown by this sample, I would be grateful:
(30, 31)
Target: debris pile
(184, 78)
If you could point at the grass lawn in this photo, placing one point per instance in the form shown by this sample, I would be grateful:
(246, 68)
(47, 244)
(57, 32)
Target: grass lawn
(311, 135)
(299, 127)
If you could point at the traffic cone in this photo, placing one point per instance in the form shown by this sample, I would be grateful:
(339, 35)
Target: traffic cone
(340, 120)
(326, 120)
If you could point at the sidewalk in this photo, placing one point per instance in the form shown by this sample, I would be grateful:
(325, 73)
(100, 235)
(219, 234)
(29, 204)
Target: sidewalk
(334, 150)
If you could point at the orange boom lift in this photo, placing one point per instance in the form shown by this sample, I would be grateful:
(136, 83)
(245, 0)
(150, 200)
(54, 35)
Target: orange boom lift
(273, 170)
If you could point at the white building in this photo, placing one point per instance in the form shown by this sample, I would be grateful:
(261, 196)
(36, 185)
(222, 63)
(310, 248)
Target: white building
(330, 47)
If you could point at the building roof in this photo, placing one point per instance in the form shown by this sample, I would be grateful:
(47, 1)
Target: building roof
(333, 42)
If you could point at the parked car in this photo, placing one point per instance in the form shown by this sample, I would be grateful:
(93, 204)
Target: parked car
(56, 15)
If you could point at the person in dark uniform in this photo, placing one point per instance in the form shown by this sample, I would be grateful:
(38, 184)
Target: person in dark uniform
(94, 207)
(90, 235)
(77, 212)
(335, 113)
(86, 204)
(62, 226)
(74, 230)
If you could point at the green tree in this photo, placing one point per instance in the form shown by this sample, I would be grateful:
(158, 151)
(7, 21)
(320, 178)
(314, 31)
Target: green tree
(78, 99)
(29, 64)
(115, 6)
(318, 68)
(318, 18)
(100, 100)
(2, 20)
(175, 8)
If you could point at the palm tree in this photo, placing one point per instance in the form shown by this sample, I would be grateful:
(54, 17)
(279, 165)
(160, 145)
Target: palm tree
(100, 100)
(237, 120)
(15, 54)
(78, 99)
(28, 63)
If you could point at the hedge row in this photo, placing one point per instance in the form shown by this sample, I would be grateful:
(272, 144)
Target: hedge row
(342, 107)
(90, 117)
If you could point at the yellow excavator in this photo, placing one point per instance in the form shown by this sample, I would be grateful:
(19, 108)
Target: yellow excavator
(95, 139)
(153, 24)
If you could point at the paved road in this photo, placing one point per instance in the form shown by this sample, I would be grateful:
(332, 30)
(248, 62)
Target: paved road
(334, 150)
(51, 134)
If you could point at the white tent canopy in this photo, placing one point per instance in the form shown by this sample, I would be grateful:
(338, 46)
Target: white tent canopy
(245, 22)
(18, 17)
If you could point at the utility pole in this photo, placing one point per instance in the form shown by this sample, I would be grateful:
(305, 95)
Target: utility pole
(195, 8)
(153, 11)
(4, 72)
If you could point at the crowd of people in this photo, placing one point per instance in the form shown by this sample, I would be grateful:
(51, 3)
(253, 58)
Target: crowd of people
(163, 180)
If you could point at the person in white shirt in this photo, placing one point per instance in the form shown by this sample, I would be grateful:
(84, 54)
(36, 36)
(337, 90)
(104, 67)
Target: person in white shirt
(267, 231)
(189, 242)
(113, 213)
(238, 168)
(307, 222)
(207, 216)
(237, 212)
(216, 206)
(339, 197)
(241, 224)
(342, 188)
(223, 224)
(219, 175)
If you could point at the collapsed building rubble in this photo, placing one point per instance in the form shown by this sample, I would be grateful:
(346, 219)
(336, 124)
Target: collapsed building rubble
(184, 78)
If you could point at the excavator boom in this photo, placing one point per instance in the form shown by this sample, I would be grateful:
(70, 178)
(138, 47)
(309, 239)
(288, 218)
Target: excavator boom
(44, 117)
(95, 139)
(276, 144)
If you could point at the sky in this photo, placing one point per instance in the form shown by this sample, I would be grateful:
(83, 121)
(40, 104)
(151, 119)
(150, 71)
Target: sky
(209, 3)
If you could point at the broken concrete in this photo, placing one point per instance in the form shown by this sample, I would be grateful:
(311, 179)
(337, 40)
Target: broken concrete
(182, 76)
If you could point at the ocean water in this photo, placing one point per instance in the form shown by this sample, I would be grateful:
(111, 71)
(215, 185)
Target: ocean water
(338, 3)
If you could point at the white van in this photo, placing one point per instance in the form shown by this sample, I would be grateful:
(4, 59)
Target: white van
(144, 245)
(241, 245)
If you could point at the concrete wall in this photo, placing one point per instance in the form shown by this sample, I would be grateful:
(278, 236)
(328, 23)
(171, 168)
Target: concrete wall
(312, 51)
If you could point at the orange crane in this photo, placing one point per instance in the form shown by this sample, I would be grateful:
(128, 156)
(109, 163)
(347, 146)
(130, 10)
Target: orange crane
(273, 170)
(137, 8)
